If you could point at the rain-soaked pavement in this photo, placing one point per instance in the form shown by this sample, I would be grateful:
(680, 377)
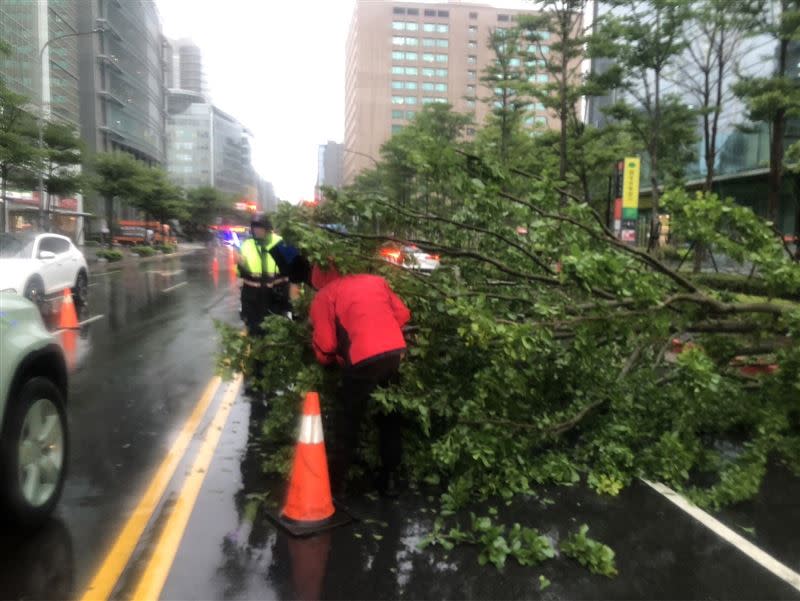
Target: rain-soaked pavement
(139, 372)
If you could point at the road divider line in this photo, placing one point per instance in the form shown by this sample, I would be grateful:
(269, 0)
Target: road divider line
(166, 273)
(105, 273)
(107, 576)
(175, 287)
(91, 320)
(758, 555)
(160, 563)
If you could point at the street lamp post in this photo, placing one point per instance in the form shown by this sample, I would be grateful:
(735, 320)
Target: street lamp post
(44, 205)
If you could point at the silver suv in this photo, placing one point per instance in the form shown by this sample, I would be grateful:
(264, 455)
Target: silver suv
(33, 393)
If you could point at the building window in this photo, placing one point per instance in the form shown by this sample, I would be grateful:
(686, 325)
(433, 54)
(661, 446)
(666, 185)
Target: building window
(411, 100)
(410, 115)
(398, 41)
(411, 71)
(398, 56)
(471, 103)
(545, 50)
(413, 11)
(411, 85)
(430, 13)
(443, 13)
(399, 11)
(515, 62)
(440, 100)
(442, 43)
(429, 27)
(441, 72)
(473, 15)
(428, 99)
(397, 114)
(398, 25)
(540, 120)
(502, 18)
(471, 90)
(471, 75)
(442, 28)
(441, 87)
(412, 42)
(441, 58)
(396, 127)
(427, 87)
(397, 85)
(411, 56)
(472, 29)
(542, 78)
(429, 42)
(397, 100)
(428, 57)
(472, 59)
(397, 70)
(410, 26)
(427, 72)
(472, 44)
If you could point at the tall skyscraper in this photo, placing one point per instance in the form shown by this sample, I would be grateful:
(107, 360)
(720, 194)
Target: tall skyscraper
(330, 168)
(183, 62)
(121, 78)
(403, 55)
(50, 85)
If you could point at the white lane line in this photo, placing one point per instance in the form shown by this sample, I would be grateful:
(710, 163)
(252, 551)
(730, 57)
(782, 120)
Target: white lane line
(762, 558)
(171, 288)
(104, 273)
(93, 284)
(167, 273)
(80, 324)
(91, 319)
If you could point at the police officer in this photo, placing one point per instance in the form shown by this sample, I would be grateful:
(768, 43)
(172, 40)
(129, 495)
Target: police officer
(264, 290)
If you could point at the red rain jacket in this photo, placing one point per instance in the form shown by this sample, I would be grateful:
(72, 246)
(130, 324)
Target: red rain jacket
(355, 318)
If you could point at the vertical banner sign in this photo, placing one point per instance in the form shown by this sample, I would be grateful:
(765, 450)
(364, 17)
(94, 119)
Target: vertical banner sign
(630, 199)
(619, 170)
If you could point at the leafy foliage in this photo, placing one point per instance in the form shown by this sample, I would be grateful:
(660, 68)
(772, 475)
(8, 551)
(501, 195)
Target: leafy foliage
(596, 556)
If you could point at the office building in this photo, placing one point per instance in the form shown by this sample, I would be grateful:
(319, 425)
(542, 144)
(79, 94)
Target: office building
(34, 29)
(742, 152)
(403, 55)
(122, 78)
(183, 67)
(330, 168)
(208, 147)
(267, 200)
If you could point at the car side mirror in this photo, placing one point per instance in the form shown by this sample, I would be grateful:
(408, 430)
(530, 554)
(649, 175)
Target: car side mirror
(46, 255)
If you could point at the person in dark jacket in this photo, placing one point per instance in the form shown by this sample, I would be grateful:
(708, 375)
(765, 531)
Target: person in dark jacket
(358, 324)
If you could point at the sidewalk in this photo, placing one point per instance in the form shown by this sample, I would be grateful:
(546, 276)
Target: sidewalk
(97, 265)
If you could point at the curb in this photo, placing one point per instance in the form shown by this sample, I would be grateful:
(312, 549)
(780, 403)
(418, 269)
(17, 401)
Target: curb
(99, 267)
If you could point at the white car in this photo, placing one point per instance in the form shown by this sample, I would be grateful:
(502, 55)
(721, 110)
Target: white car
(410, 257)
(40, 266)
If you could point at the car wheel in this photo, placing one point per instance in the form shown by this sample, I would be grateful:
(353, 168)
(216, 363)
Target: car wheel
(34, 452)
(81, 290)
(34, 291)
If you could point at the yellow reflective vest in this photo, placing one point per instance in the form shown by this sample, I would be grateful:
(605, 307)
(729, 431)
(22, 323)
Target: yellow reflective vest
(255, 254)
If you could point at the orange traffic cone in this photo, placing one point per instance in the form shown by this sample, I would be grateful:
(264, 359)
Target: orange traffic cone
(309, 499)
(69, 344)
(69, 317)
(309, 507)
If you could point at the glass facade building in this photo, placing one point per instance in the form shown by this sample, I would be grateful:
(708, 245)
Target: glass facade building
(742, 159)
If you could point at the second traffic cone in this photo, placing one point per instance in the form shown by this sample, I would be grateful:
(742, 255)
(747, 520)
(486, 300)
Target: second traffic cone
(309, 501)
(68, 317)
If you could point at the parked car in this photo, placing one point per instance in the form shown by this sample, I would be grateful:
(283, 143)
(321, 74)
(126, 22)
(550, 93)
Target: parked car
(33, 394)
(39, 266)
(410, 257)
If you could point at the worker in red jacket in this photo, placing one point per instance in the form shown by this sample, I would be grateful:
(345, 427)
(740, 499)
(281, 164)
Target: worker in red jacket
(357, 322)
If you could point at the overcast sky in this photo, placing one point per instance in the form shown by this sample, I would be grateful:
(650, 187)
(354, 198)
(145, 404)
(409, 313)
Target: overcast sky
(278, 67)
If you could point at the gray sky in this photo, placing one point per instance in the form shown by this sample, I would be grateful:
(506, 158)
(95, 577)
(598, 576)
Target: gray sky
(278, 67)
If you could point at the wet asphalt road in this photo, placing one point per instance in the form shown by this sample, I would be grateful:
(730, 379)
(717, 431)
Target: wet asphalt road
(137, 374)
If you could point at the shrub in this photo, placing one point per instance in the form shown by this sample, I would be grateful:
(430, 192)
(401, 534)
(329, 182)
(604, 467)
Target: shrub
(167, 249)
(109, 255)
(144, 251)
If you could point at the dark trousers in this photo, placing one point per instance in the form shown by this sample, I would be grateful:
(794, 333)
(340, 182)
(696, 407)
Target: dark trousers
(257, 303)
(358, 384)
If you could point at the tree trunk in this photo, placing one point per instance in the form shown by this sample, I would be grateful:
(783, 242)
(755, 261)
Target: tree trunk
(776, 144)
(110, 220)
(563, 108)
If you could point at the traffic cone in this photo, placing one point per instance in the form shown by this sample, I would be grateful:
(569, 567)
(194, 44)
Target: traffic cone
(69, 344)
(309, 498)
(68, 319)
(309, 507)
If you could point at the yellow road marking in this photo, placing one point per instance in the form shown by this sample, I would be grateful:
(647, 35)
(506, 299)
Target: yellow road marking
(158, 567)
(104, 581)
